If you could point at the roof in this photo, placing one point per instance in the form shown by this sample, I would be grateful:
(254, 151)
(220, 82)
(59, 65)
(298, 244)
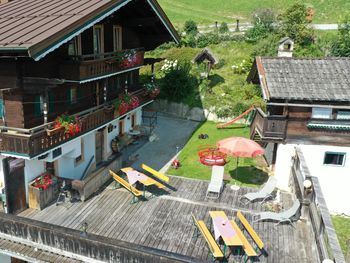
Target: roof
(326, 79)
(205, 54)
(37, 27)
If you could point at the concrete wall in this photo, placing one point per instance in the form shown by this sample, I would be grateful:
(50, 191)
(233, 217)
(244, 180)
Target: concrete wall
(5, 259)
(334, 180)
(66, 164)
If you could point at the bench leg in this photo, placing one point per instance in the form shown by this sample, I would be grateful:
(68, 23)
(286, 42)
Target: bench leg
(134, 200)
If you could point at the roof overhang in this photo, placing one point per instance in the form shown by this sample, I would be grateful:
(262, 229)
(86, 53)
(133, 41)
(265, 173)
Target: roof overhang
(262, 78)
(43, 48)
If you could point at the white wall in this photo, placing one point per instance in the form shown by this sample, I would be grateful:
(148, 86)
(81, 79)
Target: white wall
(334, 180)
(66, 164)
(32, 169)
(5, 259)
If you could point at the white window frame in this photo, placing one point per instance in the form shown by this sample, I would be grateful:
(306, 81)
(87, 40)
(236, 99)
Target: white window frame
(117, 38)
(322, 113)
(335, 153)
(344, 116)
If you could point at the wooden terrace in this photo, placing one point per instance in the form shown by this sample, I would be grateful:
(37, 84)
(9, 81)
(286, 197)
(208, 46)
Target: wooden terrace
(165, 222)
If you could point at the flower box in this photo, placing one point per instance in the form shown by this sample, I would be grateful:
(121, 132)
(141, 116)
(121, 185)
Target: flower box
(54, 131)
(41, 196)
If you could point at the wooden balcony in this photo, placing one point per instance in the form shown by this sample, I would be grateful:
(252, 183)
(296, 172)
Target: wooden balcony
(268, 128)
(33, 142)
(86, 67)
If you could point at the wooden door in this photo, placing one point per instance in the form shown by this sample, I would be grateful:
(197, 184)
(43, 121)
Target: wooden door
(15, 185)
(133, 120)
(99, 147)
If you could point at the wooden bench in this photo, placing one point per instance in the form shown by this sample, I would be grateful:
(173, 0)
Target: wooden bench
(156, 173)
(136, 193)
(251, 231)
(213, 246)
(247, 247)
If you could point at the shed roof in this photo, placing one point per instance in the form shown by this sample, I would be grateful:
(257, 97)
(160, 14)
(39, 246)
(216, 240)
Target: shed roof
(37, 27)
(321, 79)
(205, 54)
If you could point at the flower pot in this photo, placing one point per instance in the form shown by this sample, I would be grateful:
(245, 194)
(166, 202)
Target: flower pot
(108, 109)
(154, 93)
(39, 198)
(53, 131)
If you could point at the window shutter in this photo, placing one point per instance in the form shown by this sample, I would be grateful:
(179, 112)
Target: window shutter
(37, 107)
(1, 108)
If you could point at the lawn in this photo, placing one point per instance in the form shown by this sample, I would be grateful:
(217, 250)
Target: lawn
(342, 227)
(249, 171)
(209, 11)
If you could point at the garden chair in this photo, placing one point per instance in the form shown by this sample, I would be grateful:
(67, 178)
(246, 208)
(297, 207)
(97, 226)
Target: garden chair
(217, 180)
(264, 193)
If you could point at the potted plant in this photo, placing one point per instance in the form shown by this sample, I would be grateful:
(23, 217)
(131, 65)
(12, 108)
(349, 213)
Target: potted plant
(152, 89)
(70, 124)
(42, 191)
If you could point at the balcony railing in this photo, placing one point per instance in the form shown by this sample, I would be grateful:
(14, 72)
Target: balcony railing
(81, 68)
(32, 142)
(269, 127)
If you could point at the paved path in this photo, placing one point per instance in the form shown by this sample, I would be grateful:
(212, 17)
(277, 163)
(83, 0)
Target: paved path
(170, 133)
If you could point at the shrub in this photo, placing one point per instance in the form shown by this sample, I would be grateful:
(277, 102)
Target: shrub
(189, 41)
(266, 46)
(207, 39)
(263, 24)
(177, 82)
(341, 46)
(242, 67)
(223, 28)
(190, 27)
(167, 45)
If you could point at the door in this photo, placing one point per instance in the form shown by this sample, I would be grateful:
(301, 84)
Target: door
(15, 185)
(99, 147)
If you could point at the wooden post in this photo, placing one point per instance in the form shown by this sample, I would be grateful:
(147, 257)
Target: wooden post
(105, 92)
(237, 25)
(97, 93)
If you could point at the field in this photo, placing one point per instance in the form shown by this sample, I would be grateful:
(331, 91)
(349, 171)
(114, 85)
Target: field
(249, 171)
(209, 11)
(342, 227)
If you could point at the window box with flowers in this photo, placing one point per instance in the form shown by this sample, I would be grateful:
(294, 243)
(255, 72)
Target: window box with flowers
(42, 191)
(152, 90)
(70, 125)
(125, 103)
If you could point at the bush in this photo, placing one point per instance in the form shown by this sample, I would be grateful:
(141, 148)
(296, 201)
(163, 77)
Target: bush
(242, 67)
(263, 21)
(190, 27)
(166, 46)
(177, 82)
(205, 40)
(223, 28)
(266, 46)
(189, 41)
(341, 47)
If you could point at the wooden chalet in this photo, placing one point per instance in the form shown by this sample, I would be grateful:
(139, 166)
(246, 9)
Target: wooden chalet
(307, 100)
(71, 58)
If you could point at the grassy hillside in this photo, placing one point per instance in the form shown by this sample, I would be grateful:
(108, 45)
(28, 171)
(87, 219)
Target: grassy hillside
(209, 11)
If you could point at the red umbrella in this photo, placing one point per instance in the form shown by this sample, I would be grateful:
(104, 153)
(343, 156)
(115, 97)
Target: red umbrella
(239, 147)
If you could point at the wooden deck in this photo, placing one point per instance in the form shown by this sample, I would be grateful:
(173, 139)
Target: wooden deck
(165, 222)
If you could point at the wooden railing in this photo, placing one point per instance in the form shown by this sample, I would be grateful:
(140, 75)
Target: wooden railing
(315, 209)
(36, 140)
(90, 66)
(269, 127)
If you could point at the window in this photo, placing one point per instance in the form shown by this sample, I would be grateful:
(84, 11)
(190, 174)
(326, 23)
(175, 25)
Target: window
(38, 105)
(74, 46)
(121, 128)
(333, 158)
(321, 113)
(98, 39)
(73, 95)
(343, 115)
(117, 38)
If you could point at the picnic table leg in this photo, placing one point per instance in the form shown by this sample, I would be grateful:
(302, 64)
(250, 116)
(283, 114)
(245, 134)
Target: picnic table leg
(144, 191)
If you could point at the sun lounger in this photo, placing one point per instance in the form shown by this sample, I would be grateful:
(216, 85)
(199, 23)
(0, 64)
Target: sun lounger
(213, 246)
(285, 216)
(217, 180)
(264, 193)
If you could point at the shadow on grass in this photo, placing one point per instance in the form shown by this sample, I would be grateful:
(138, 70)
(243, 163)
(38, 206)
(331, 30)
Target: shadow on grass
(215, 79)
(249, 175)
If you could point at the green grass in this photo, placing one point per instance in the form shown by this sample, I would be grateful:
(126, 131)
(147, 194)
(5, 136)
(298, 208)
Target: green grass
(209, 11)
(342, 227)
(248, 173)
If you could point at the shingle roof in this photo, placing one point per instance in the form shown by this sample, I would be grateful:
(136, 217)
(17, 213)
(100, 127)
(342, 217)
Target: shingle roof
(38, 25)
(306, 79)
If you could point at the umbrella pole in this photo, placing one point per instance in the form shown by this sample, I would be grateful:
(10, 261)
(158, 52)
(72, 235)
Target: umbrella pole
(235, 187)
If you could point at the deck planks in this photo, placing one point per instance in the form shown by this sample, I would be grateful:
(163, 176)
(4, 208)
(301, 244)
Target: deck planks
(165, 222)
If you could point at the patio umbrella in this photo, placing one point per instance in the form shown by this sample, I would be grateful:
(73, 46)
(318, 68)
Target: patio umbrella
(239, 147)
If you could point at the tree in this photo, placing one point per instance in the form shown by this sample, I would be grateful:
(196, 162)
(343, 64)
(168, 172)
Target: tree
(341, 46)
(264, 21)
(295, 23)
(223, 28)
(190, 27)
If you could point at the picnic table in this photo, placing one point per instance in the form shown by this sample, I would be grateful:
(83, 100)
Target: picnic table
(223, 228)
(135, 176)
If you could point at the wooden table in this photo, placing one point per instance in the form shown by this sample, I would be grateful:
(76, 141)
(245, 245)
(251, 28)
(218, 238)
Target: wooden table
(135, 176)
(223, 227)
